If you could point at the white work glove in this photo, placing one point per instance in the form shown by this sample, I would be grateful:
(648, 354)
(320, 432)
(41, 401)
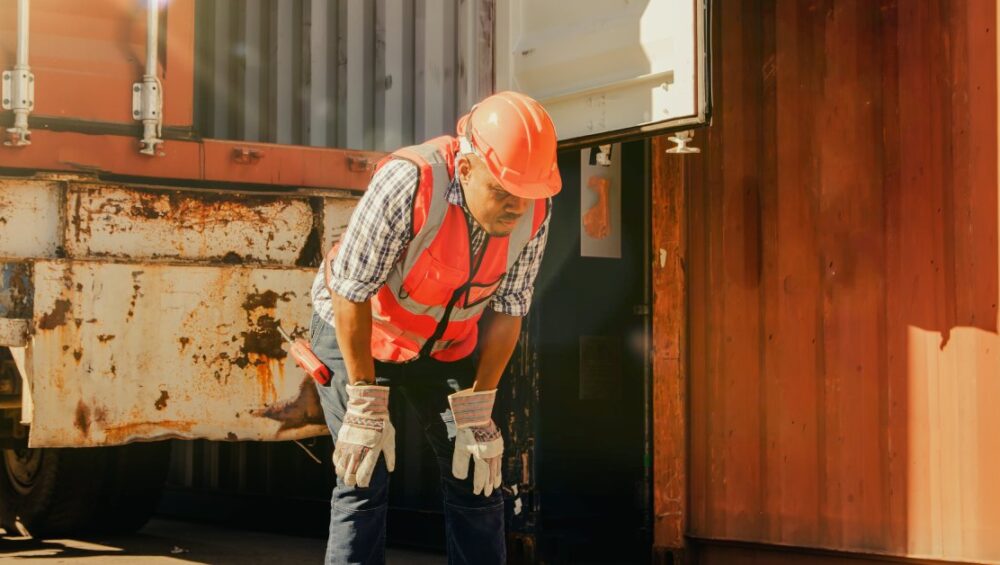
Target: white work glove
(479, 438)
(365, 433)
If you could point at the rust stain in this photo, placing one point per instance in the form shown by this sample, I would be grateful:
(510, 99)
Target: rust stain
(78, 354)
(299, 412)
(184, 342)
(136, 292)
(82, 420)
(161, 403)
(266, 299)
(266, 380)
(57, 317)
(100, 414)
(147, 430)
(104, 338)
(231, 436)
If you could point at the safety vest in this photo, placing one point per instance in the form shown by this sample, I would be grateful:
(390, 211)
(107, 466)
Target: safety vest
(437, 291)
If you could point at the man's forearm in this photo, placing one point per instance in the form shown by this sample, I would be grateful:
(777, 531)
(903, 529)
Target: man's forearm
(497, 341)
(353, 323)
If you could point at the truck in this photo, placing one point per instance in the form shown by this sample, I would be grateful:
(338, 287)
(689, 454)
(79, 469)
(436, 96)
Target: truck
(173, 172)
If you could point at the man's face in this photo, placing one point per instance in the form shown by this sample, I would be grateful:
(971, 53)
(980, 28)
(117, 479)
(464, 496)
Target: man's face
(496, 210)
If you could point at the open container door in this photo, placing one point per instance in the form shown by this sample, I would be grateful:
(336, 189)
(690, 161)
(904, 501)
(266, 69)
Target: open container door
(608, 70)
(579, 392)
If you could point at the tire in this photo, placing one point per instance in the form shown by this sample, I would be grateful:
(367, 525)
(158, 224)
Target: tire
(47, 492)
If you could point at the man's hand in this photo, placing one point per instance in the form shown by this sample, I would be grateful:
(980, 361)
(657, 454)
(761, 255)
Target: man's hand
(478, 438)
(365, 434)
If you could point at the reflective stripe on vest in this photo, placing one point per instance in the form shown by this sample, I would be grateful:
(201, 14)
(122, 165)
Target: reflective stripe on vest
(409, 308)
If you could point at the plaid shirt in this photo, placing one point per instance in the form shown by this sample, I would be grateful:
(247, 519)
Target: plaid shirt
(380, 230)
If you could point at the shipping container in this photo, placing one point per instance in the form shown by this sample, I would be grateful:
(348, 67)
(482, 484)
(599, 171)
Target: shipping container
(841, 270)
(780, 350)
(171, 179)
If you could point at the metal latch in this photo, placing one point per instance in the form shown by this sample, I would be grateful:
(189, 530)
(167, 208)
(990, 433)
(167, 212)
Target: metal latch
(19, 96)
(147, 96)
(681, 140)
(246, 155)
(147, 107)
(19, 85)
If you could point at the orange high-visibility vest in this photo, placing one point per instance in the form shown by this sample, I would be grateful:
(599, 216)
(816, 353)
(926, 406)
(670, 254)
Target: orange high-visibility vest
(437, 291)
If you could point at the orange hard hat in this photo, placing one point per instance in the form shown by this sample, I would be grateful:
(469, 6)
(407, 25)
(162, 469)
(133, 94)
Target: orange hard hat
(515, 137)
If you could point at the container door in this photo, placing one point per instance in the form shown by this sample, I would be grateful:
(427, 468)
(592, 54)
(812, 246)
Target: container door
(607, 69)
(87, 55)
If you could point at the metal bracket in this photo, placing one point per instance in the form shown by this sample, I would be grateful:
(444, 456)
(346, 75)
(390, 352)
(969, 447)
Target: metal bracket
(19, 96)
(147, 107)
(681, 140)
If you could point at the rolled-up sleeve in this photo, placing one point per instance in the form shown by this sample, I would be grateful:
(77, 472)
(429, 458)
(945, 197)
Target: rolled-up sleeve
(513, 296)
(378, 232)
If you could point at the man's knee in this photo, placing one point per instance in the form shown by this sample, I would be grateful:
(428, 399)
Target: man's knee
(372, 498)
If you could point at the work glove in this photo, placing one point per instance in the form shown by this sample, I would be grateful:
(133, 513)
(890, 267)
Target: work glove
(477, 438)
(365, 433)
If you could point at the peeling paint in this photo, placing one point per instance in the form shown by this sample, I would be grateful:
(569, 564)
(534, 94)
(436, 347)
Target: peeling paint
(231, 228)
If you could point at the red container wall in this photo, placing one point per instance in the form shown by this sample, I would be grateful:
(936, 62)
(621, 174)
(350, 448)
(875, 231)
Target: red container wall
(86, 55)
(844, 361)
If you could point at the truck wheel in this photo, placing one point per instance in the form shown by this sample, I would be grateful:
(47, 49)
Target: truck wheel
(46, 492)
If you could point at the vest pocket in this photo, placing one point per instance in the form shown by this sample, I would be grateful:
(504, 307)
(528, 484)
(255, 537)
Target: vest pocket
(479, 293)
(431, 282)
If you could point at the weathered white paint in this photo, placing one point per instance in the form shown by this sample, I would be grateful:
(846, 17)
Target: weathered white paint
(112, 221)
(29, 218)
(602, 66)
(336, 215)
(125, 352)
(13, 332)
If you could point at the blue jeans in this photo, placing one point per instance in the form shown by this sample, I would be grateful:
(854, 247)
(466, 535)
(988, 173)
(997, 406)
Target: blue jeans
(474, 524)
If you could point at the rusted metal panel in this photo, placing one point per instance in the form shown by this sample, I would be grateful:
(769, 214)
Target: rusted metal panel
(844, 282)
(13, 332)
(16, 290)
(29, 218)
(126, 352)
(135, 224)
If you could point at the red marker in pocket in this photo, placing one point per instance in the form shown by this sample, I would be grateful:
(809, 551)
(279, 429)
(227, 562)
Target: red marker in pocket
(304, 357)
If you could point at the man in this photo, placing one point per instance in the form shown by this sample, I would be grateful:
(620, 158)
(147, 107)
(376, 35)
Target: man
(445, 230)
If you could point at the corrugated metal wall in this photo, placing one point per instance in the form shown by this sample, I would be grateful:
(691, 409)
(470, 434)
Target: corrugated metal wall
(375, 74)
(843, 275)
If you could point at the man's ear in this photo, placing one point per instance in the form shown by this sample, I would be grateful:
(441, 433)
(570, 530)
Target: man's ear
(464, 168)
